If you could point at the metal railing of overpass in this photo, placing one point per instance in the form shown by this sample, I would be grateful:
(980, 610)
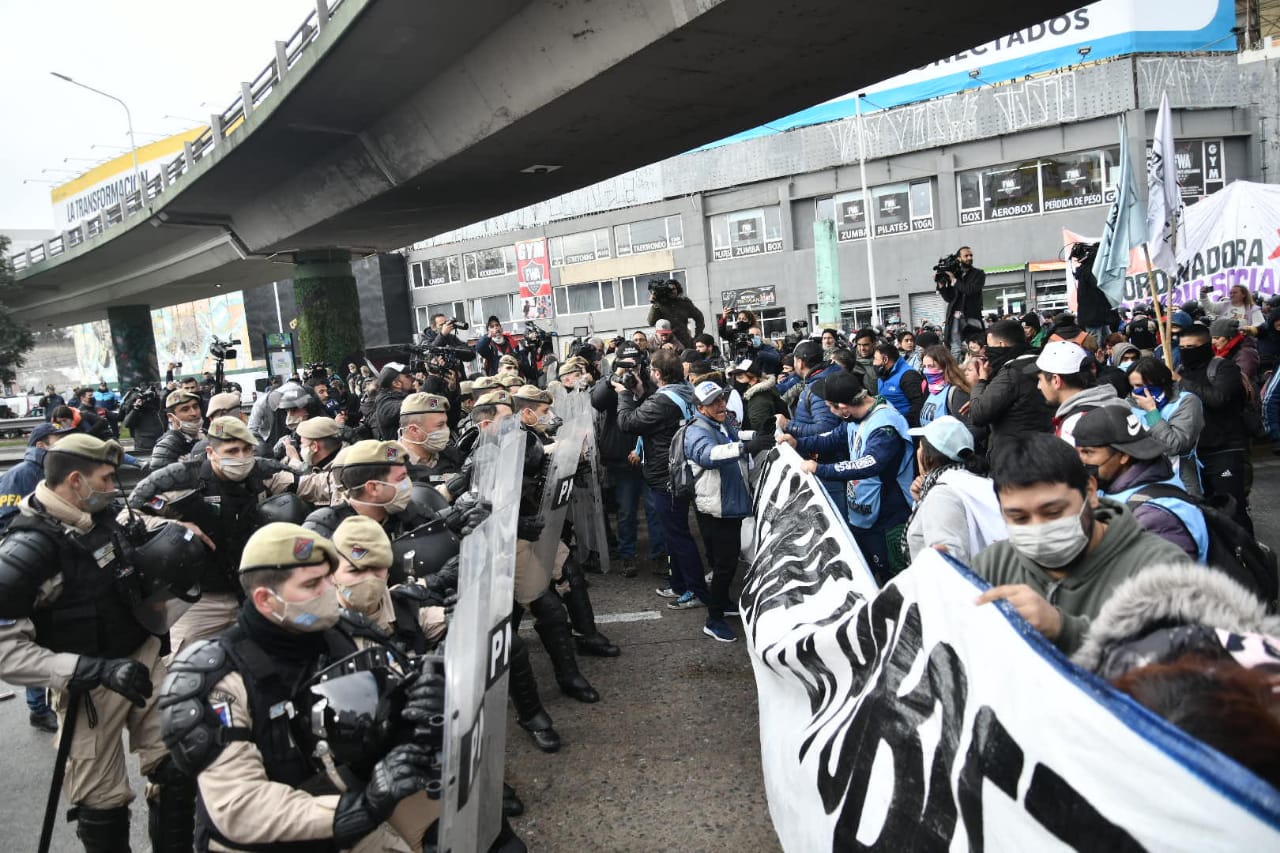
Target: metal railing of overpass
(221, 126)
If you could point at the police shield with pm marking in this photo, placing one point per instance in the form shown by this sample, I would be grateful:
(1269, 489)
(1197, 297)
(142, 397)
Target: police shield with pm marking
(477, 652)
(557, 489)
(586, 506)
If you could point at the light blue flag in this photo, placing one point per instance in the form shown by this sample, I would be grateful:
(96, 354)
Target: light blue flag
(1126, 228)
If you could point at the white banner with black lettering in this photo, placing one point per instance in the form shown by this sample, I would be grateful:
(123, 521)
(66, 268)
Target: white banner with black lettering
(909, 718)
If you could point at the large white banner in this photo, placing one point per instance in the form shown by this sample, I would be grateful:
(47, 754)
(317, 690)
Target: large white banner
(909, 718)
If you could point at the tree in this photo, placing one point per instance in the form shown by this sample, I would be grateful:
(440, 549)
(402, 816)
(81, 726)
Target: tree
(16, 339)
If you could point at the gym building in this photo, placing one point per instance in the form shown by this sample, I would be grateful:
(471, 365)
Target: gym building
(1003, 168)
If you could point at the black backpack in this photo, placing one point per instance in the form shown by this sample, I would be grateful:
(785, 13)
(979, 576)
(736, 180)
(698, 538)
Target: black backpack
(1231, 549)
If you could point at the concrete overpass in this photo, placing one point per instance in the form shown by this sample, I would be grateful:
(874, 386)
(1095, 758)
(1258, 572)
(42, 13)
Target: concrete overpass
(380, 122)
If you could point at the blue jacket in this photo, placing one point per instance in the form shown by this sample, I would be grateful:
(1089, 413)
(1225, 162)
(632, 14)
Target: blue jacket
(1271, 407)
(720, 463)
(18, 482)
(812, 415)
(878, 468)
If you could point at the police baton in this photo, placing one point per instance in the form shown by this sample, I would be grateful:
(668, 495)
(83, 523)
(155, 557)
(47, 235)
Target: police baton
(59, 769)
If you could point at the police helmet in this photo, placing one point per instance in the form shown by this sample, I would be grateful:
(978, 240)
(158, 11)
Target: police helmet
(170, 563)
(357, 703)
(426, 497)
(286, 507)
(422, 551)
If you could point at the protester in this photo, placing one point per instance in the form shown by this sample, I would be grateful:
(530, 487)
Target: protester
(956, 510)
(761, 400)
(864, 351)
(812, 415)
(1238, 306)
(945, 384)
(495, 344)
(1067, 381)
(908, 350)
(669, 305)
(1231, 343)
(899, 383)
(1067, 549)
(1005, 399)
(1174, 417)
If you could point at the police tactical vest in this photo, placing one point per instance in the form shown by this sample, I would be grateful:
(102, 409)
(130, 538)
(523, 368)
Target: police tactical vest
(224, 510)
(93, 614)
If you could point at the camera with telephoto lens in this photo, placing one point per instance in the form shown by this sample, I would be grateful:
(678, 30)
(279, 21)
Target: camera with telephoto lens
(223, 349)
(663, 290)
(459, 324)
(949, 264)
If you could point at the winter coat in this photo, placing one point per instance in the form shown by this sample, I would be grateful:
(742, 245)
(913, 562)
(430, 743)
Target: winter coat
(655, 420)
(763, 402)
(720, 464)
(959, 511)
(18, 482)
(1244, 352)
(1134, 627)
(491, 352)
(1070, 412)
(1124, 550)
(612, 442)
(1155, 519)
(1176, 426)
(1221, 390)
(1009, 403)
(386, 415)
(679, 311)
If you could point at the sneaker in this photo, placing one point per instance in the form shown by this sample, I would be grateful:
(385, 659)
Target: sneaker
(628, 566)
(688, 601)
(45, 721)
(668, 592)
(718, 629)
(707, 577)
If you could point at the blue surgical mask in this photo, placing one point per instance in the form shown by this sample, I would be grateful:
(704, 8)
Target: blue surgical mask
(1150, 390)
(756, 340)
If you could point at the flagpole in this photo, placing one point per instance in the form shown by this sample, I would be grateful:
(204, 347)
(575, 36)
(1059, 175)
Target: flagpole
(1168, 314)
(1161, 317)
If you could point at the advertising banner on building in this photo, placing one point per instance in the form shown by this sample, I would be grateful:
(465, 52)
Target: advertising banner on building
(1107, 28)
(910, 718)
(533, 271)
(103, 186)
(749, 298)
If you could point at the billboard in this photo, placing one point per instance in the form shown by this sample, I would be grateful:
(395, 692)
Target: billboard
(85, 196)
(1108, 28)
(183, 332)
(533, 271)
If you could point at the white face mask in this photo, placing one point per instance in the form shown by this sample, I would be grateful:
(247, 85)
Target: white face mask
(364, 595)
(1051, 544)
(188, 428)
(404, 493)
(235, 469)
(317, 614)
(435, 441)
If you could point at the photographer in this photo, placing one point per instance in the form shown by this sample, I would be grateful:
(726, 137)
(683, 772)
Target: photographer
(494, 345)
(444, 334)
(143, 417)
(668, 302)
(960, 283)
(705, 346)
(533, 349)
(744, 321)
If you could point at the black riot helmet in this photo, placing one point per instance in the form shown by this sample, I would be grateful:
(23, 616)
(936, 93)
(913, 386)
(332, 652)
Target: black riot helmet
(355, 704)
(422, 551)
(286, 507)
(428, 499)
(170, 563)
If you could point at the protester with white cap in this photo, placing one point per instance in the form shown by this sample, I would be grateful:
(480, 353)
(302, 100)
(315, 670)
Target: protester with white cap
(1068, 381)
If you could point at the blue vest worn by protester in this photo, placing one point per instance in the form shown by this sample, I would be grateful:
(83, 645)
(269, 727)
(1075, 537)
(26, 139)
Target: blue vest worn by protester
(864, 495)
(1191, 460)
(890, 387)
(1186, 512)
(935, 406)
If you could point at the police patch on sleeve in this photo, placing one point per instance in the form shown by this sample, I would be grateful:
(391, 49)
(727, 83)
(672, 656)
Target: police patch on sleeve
(223, 712)
(156, 503)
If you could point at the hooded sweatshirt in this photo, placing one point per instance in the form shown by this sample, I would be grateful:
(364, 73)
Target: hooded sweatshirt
(1064, 420)
(1124, 550)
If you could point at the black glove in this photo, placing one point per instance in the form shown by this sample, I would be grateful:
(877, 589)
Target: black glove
(418, 595)
(467, 513)
(530, 527)
(759, 444)
(458, 484)
(125, 676)
(403, 772)
(424, 707)
(443, 582)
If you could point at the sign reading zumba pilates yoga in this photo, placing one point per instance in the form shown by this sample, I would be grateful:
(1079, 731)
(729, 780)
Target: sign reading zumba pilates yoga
(909, 718)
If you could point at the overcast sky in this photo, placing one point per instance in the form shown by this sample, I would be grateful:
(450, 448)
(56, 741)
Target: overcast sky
(173, 58)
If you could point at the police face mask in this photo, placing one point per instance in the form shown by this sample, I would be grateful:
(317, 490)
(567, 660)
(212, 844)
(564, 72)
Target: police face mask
(404, 492)
(235, 469)
(188, 428)
(1052, 544)
(94, 501)
(364, 595)
(315, 614)
(435, 441)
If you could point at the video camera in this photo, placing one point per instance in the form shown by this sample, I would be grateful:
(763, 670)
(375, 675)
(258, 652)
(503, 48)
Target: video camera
(459, 324)
(663, 290)
(220, 349)
(439, 360)
(948, 264)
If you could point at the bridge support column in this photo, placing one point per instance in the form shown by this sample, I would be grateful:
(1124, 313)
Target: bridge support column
(134, 342)
(328, 304)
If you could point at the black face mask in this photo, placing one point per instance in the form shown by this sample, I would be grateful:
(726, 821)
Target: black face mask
(998, 356)
(741, 387)
(1197, 357)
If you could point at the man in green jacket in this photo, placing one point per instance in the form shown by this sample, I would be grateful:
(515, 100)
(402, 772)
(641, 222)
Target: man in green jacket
(1067, 549)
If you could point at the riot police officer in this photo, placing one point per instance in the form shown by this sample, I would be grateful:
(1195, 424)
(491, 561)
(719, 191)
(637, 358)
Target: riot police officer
(182, 410)
(238, 713)
(321, 441)
(87, 642)
(424, 434)
(221, 497)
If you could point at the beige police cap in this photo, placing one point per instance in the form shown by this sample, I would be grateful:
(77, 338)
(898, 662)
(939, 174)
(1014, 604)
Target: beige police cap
(492, 398)
(319, 428)
(87, 447)
(424, 404)
(280, 545)
(362, 542)
(374, 452)
(485, 383)
(573, 365)
(466, 387)
(531, 394)
(510, 380)
(178, 397)
(509, 360)
(222, 402)
(228, 428)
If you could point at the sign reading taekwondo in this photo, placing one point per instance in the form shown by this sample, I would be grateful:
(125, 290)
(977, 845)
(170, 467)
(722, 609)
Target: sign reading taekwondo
(1108, 28)
(103, 186)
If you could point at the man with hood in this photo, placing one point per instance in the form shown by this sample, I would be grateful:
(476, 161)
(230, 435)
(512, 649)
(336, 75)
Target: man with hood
(1005, 398)
(1067, 381)
(1124, 356)
(812, 414)
(1067, 549)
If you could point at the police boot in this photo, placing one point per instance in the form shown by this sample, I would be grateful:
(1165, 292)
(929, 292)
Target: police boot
(552, 626)
(592, 563)
(507, 840)
(103, 830)
(511, 804)
(578, 602)
(522, 685)
(171, 807)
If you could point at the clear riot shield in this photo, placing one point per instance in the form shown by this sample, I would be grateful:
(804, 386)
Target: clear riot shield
(477, 652)
(536, 574)
(586, 503)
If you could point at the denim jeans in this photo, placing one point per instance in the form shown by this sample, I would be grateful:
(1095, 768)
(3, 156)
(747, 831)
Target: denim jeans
(628, 490)
(36, 701)
(657, 536)
(686, 564)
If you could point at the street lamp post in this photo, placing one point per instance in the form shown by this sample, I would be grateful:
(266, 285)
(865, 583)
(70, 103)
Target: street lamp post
(133, 144)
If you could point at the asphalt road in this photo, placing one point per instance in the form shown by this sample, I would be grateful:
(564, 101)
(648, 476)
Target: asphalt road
(669, 760)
